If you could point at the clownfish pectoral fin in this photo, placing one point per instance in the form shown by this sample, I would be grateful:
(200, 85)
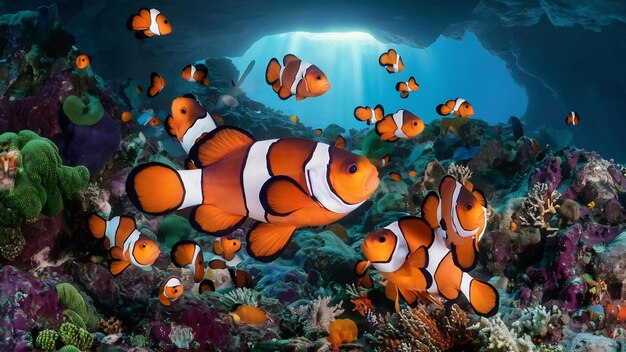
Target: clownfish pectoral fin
(404, 94)
(464, 255)
(427, 297)
(215, 221)
(217, 264)
(483, 297)
(410, 297)
(267, 241)
(429, 209)
(391, 292)
(289, 58)
(443, 109)
(228, 256)
(217, 247)
(97, 225)
(170, 126)
(217, 144)
(340, 142)
(164, 300)
(117, 253)
(282, 195)
(206, 286)
(272, 72)
(284, 93)
(480, 197)
(118, 266)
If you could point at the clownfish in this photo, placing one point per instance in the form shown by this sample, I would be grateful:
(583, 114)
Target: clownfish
(147, 118)
(419, 266)
(412, 173)
(403, 124)
(296, 77)
(395, 176)
(157, 83)
(239, 278)
(189, 121)
(83, 61)
(196, 73)
(340, 142)
(252, 315)
(406, 87)
(572, 119)
(458, 107)
(126, 116)
(148, 23)
(293, 119)
(616, 311)
(392, 61)
(125, 243)
(283, 184)
(461, 213)
(226, 248)
(384, 161)
(534, 147)
(369, 115)
(188, 254)
(341, 331)
(170, 290)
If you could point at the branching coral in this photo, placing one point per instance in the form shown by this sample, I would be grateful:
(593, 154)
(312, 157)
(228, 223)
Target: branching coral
(538, 322)
(110, 326)
(538, 207)
(495, 336)
(461, 172)
(417, 329)
(320, 313)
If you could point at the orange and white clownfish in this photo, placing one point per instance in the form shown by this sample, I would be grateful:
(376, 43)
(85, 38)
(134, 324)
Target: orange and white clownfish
(461, 213)
(283, 184)
(157, 83)
(365, 113)
(419, 266)
(239, 278)
(392, 61)
(83, 61)
(125, 243)
(252, 315)
(189, 121)
(148, 23)
(572, 119)
(226, 248)
(170, 290)
(406, 87)
(296, 77)
(384, 161)
(403, 124)
(196, 73)
(459, 107)
(188, 254)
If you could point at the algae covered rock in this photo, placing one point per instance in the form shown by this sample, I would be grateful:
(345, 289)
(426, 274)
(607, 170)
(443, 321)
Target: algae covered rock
(42, 182)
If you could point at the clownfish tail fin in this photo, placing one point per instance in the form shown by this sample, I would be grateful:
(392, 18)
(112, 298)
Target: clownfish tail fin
(483, 297)
(97, 225)
(156, 188)
(272, 73)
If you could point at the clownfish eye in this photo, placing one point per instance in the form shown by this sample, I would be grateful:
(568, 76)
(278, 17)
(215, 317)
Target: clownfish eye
(318, 77)
(469, 206)
(143, 246)
(175, 290)
(183, 111)
(234, 244)
(382, 239)
(353, 168)
(165, 21)
(414, 123)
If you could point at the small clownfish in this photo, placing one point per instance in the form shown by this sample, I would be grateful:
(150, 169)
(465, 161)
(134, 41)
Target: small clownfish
(341, 331)
(461, 212)
(170, 290)
(283, 184)
(395, 176)
(125, 243)
(251, 315)
(148, 23)
(384, 161)
(189, 121)
(340, 142)
(418, 266)
(369, 115)
(297, 77)
(406, 87)
(157, 83)
(83, 61)
(196, 73)
(534, 147)
(147, 118)
(226, 248)
(392, 61)
(126, 116)
(293, 119)
(188, 254)
(403, 124)
(616, 311)
(206, 286)
(458, 107)
(318, 132)
(572, 119)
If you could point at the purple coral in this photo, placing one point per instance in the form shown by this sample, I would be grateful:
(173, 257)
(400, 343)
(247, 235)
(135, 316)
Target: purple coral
(549, 173)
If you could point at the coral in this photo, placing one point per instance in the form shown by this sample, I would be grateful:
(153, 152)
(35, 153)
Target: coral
(592, 343)
(83, 113)
(569, 211)
(69, 348)
(139, 341)
(76, 308)
(243, 296)
(613, 212)
(110, 326)
(68, 333)
(433, 174)
(173, 228)
(495, 336)
(85, 340)
(47, 340)
(42, 183)
(11, 242)
(452, 124)
(549, 173)
(538, 322)
(319, 314)
(341, 331)
(461, 172)
(9, 161)
(181, 336)
(538, 207)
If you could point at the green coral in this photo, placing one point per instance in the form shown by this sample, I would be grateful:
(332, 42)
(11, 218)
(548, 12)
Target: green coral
(138, 341)
(11, 242)
(69, 333)
(173, 229)
(77, 311)
(69, 348)
(74, 318)
(83, 113)
(47, 340)
(85, 340)
(42, 181)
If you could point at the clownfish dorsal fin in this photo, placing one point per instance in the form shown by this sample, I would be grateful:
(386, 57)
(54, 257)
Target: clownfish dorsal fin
(170, 126)
(217, 144)
(289, 58)
(468, 185)
(464, 255)
(480, 197)
(340, 142)
(217, 264)
(282, 195)
(267, 241)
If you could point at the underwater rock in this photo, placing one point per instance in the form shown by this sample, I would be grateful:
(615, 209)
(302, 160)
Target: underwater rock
(549, 173)
(611, 265)
(592, 343)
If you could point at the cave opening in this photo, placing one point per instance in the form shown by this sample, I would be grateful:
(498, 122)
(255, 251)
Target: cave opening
(447, 69)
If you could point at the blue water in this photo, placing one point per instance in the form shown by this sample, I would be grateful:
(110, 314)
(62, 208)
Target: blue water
(445, 70)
